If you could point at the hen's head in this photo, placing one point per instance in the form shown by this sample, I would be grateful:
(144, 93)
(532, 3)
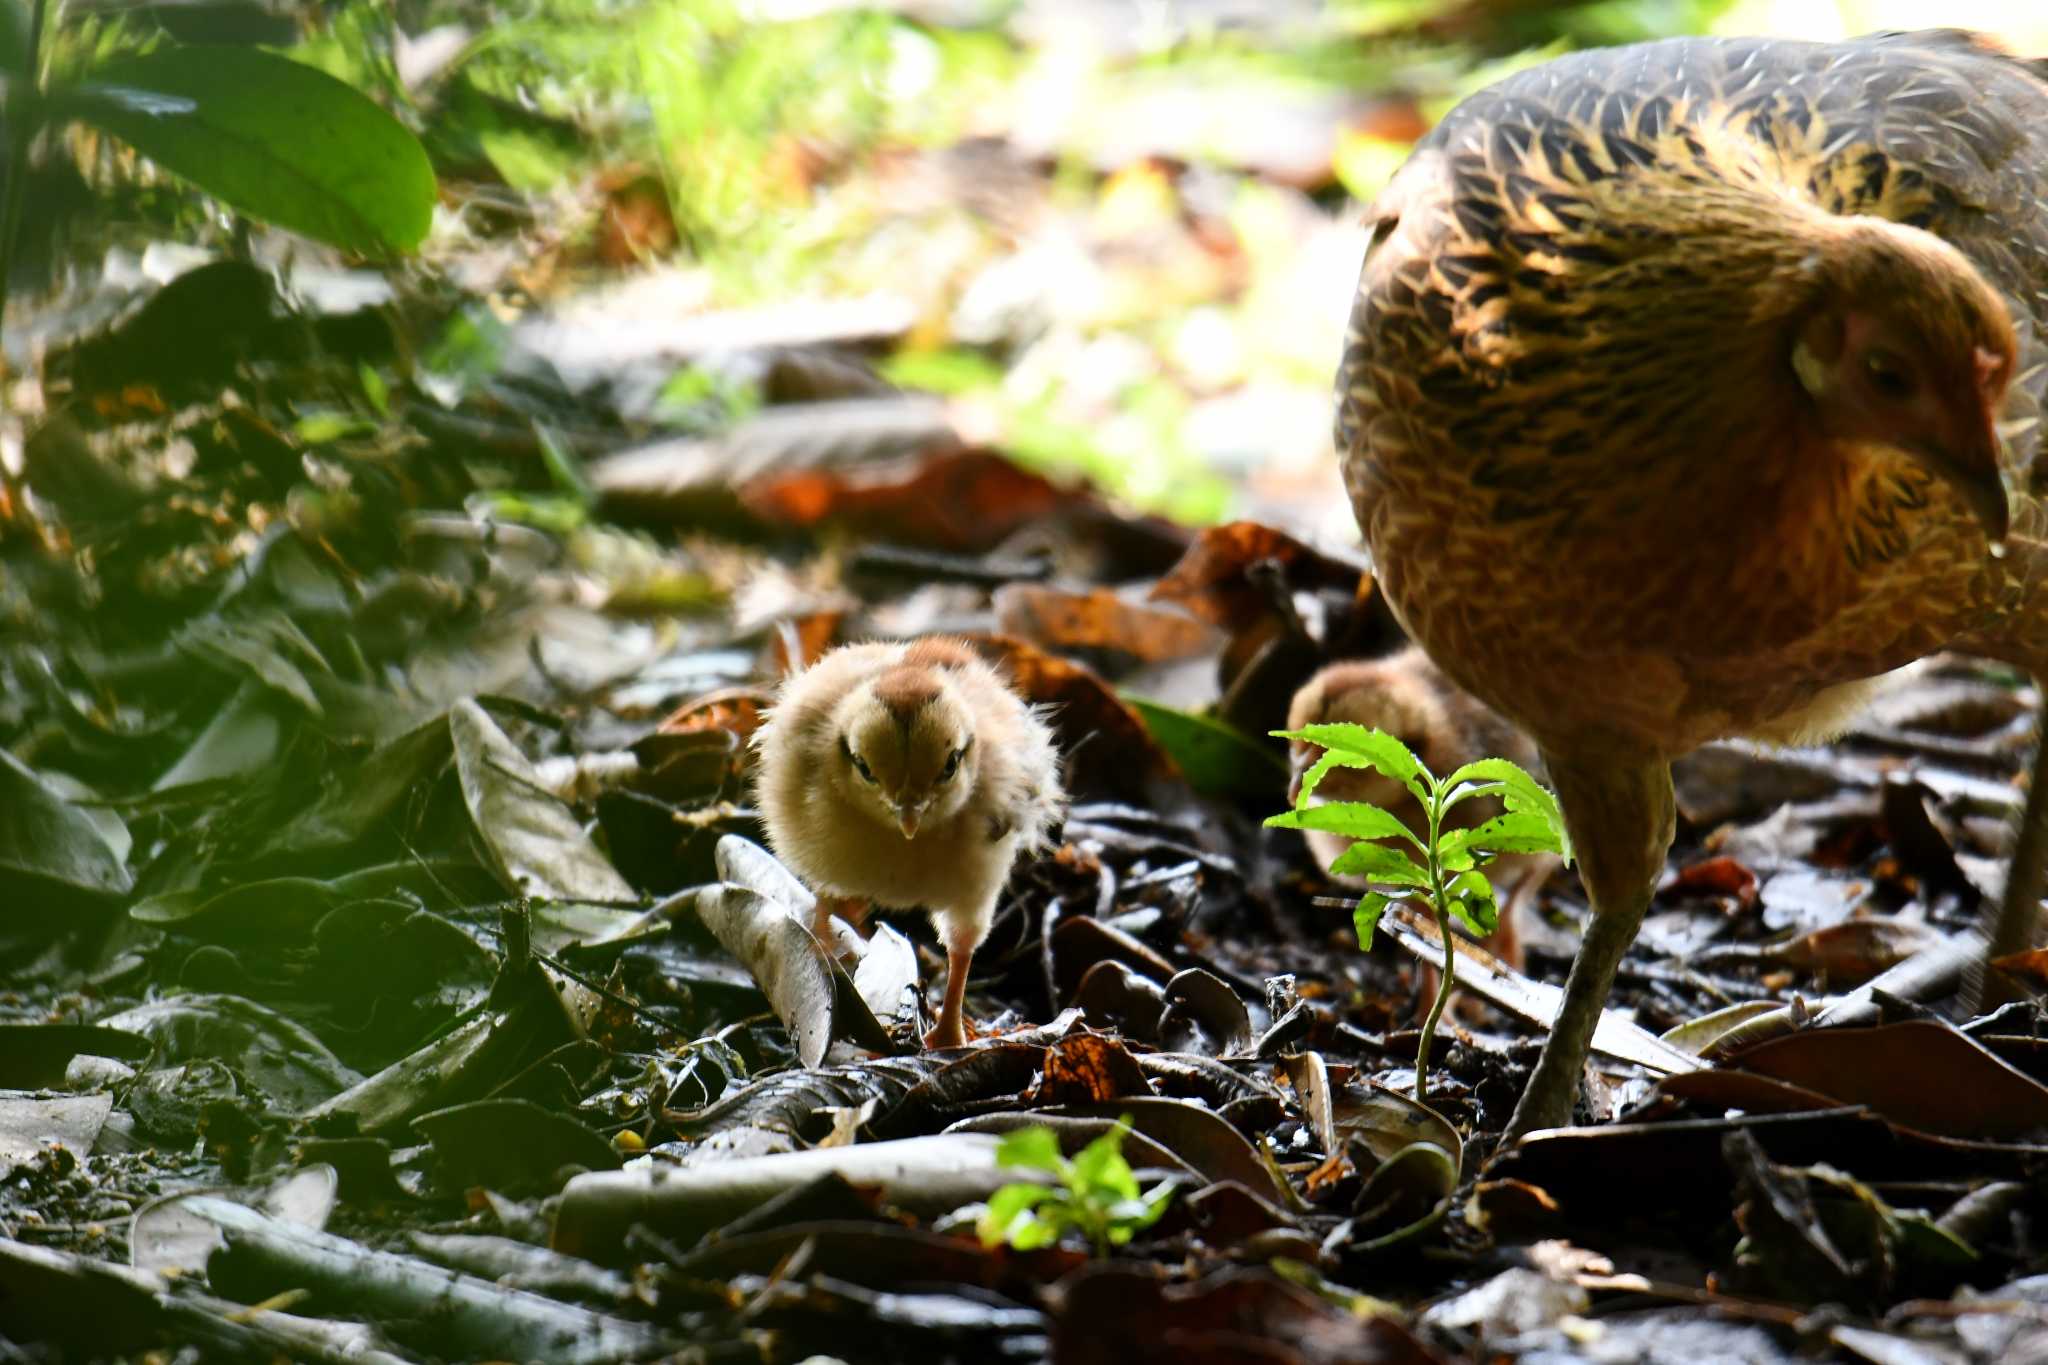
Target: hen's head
(906, 748)
(1907, 346)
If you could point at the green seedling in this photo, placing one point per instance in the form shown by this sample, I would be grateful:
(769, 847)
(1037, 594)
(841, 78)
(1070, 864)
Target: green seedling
(1442, 875)
(1097, 1194)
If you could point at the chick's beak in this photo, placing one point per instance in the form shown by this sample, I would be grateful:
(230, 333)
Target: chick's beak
(906, 820)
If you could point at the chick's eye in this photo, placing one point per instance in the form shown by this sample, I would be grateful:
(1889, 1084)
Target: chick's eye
(952, 764)
(1889, 375)
(860, 765)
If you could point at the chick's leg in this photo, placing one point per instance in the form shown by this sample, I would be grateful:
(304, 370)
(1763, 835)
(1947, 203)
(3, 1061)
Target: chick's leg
(1622, 816)
(962, 934)
(849, 908)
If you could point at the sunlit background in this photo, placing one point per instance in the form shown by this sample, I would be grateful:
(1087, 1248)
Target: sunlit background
(1117, 236)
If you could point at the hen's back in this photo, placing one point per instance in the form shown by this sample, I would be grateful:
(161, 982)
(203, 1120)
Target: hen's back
(1477, 241)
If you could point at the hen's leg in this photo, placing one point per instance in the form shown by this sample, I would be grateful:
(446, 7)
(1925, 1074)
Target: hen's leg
(2019, 914)
(1622, 815)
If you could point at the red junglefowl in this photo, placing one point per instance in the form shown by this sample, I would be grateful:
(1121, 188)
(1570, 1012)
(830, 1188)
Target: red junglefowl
(908, 775)
(1691, 384)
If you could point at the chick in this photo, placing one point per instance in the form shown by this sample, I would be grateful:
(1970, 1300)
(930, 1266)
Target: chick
(1407, 696)
(907, 775)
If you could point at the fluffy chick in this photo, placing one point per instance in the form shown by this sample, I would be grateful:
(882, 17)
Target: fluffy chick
(904, 776)
(1409, 697)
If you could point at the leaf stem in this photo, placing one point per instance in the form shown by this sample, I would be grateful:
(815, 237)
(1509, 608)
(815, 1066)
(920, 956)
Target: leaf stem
(1443, 928)
(23, 116)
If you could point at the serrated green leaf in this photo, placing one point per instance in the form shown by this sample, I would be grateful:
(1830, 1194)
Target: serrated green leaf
(1366, 918)
(1465, 791)
(1099, 1173)
(1000, 1218)
(1358, 819)
(1378, 863)
(1346, 745)
(1034, 1148)
(275, 139)
(1517, 831)
(1519, 792)
(1471, 900)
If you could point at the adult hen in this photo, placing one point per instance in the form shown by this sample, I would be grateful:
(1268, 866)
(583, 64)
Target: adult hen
(908, 775)
(1688, 385)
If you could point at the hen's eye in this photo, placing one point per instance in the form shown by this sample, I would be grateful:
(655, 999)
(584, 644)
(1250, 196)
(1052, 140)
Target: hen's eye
(952, 764)
(1889, 375)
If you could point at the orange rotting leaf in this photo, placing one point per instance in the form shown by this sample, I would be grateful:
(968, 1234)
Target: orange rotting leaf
(1089, 1068)
(961, 500)
(1211, 579)
(1097, 619)
(737, 709)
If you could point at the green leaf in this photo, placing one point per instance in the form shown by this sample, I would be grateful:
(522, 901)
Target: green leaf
(14, 53)
(1035, 1148)
(1378, 863)
(1519, 792)
(1356, 746)
(1366, 918)
(1099, 1173)
(1001, 1218)
(1471, 900)
(1518, 831)
(1217, 759)
(1355, 818)
(273, 138)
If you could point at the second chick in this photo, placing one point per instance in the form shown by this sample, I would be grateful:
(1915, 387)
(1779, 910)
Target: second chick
(909, 775)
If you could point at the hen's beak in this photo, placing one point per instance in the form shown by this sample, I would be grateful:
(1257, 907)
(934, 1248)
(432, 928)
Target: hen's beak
(1969, 461)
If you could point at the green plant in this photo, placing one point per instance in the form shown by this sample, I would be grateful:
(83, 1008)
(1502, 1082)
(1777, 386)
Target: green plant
(1097, 1194)
(268, 136)
(1443, 875)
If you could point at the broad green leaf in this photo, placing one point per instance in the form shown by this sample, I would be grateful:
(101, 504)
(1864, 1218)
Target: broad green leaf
(1035, 1148)
(1009, 1208)
(1366, 918)
(1519, 792)
(13, 39)
(1355, 818)
(1099, 1173)
(1518, 831)
(1378, 863)
(1356, 746)
(1471, 900)
(273, 138)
